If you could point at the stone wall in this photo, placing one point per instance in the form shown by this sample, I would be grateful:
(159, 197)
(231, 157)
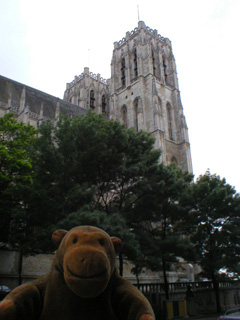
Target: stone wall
(15, 269)
(10, 262)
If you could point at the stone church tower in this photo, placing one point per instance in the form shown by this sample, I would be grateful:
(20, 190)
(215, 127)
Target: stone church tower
(143, 92)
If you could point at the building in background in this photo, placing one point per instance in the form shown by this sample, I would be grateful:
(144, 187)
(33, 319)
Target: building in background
(142, 92)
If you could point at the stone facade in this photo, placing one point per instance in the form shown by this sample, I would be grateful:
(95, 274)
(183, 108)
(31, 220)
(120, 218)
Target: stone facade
(142, 92)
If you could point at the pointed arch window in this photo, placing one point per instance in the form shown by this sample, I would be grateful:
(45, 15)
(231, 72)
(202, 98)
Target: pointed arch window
(103, 104)
(174, 160)
(92, 99)
(135, 63)
(170, 124)
(160, 106)
(124, 115)
(158, 112)
(123, 71)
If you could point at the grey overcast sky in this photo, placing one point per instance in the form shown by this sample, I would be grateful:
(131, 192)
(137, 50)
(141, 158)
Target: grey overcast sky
(44, 44)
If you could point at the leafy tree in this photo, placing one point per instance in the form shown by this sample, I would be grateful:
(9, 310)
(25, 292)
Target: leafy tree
(82, 161)
(214, 222)
(16, 140)
(156, 219)
(104, 154)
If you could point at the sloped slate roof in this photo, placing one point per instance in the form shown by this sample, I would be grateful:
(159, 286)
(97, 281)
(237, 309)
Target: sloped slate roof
(35, 98)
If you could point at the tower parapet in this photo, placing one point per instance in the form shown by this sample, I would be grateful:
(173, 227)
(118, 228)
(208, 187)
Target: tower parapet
(89, 91)
(136, 31)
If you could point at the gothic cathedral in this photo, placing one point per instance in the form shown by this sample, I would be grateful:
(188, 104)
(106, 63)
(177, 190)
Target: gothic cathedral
(142, 92)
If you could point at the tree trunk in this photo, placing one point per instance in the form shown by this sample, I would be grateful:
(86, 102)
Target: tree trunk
(20, 268)
(165, 279)
(120, 263)
(137, 280)
(216, 291)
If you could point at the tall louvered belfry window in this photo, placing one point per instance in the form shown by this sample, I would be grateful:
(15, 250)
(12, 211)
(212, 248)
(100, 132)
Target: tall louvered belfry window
(165, 69)
(154, 63)
(92, 99)
(123, 76)
(135, 63)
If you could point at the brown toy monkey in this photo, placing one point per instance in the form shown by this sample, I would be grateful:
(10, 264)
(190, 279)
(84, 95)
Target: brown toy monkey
(83, 284)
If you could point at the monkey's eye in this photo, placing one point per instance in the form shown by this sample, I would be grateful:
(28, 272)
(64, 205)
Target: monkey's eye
(75, 240)
(101, 242)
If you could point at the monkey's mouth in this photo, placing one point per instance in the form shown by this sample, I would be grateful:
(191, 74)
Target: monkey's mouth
(97, 275)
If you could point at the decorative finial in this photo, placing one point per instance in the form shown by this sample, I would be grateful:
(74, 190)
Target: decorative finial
(138, 14)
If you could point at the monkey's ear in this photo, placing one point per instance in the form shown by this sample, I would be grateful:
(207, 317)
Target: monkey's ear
(117, 243)
(57, 236)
